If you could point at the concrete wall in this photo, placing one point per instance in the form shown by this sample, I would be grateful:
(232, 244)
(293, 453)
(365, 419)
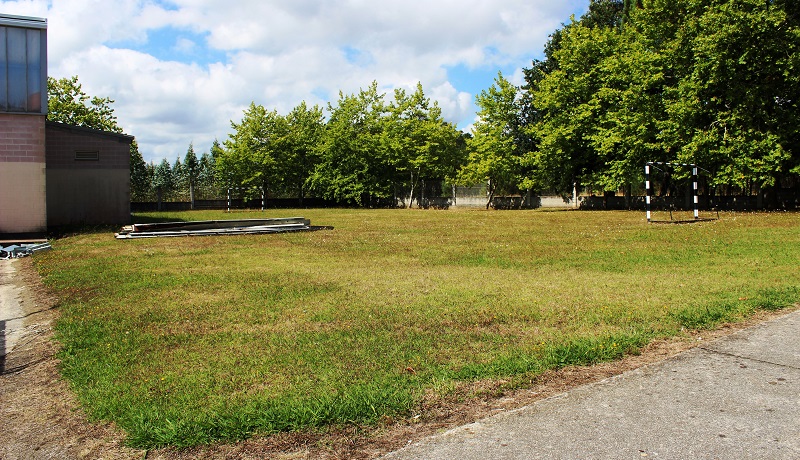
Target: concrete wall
(515, 202)
(23, 205)
(88, 176)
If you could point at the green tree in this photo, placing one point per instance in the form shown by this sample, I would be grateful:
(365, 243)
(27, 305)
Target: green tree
(734, 108)
(222, 166)
(605, 13)
(353, 167)
(140, 177)
(253, 153)
(163, 181)
(494, 149)
(420, 145)
(216, 150)
(564, 99)
(67, 103)
(306, 127)
(206, 176)
(687, 81)
(191, 171)
(178, 180)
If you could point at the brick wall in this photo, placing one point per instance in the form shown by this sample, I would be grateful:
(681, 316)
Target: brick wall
(22, 138)
(23, 199)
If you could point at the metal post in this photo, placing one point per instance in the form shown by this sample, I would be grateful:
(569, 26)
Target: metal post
(694, 191)
(229, 199)
(262, 199)
(647, 189)
(575, 195)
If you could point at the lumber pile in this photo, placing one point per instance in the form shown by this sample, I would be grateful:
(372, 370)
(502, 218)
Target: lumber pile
(215, 227)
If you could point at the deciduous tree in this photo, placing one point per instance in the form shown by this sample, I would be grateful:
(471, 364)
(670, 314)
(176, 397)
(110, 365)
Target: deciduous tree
(306, 128)
(67, 103)
(255, 150)
(494, 149)
(420, 145)
(353, 166)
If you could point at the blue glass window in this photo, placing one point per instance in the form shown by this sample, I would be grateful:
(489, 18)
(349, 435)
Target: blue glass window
(23, 76)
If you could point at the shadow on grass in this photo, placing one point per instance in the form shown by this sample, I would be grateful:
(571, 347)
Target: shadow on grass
(64, 231)
(138, 219)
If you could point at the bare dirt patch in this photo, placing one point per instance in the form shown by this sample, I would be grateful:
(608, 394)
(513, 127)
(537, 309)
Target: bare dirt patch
(40, 417)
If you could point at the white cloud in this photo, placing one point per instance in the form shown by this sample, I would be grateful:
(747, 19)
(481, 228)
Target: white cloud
(185, 46)
(278, 53)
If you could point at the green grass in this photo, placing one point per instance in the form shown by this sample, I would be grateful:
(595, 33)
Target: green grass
(184, 341)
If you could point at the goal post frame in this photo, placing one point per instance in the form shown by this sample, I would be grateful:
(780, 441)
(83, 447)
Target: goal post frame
(261, 189)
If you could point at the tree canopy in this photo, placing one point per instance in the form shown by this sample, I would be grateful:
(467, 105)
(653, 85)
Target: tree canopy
(67, 103)
(710, 82)
(688, 81)
(368, 151)
(496, 144)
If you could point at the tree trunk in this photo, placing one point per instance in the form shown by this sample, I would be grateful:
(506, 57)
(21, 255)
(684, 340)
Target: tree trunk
(191, 194)
(627, 192)
(301, 195)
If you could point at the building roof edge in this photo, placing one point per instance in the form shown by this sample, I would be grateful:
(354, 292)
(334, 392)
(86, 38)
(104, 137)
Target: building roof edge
(84, 129)
(22, 21)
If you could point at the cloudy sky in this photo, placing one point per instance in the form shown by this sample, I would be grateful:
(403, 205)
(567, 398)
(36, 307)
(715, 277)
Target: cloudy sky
(181, 70)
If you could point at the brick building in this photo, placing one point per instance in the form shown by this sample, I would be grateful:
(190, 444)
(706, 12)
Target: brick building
(23, 108)
(51, 174)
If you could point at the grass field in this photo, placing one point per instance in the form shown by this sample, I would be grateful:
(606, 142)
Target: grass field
(183, 341)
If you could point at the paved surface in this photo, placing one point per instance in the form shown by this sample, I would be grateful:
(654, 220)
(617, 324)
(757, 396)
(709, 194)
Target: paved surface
(736, 398)
(11, 313)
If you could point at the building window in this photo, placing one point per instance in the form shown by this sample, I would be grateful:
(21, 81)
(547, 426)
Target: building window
(23, 64)
(87, 155)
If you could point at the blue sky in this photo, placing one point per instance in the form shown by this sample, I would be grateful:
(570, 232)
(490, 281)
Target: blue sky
(181, 71)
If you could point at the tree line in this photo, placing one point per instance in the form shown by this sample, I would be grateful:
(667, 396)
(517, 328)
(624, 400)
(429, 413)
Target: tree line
(710, 82)
(368, 151)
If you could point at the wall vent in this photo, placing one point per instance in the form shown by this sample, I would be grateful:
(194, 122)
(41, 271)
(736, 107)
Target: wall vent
(86, 155)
